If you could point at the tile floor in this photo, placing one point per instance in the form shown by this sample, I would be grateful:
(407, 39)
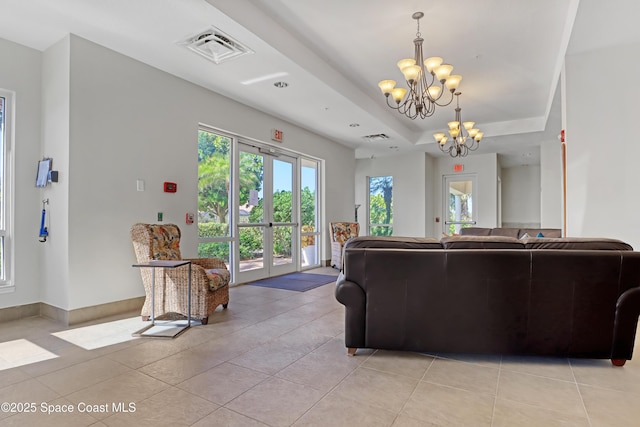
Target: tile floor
(277, 358)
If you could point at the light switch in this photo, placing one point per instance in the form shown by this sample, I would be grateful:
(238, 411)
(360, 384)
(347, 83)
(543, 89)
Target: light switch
(140, 184)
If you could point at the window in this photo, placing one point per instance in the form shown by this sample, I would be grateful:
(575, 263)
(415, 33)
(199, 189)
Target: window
(214, 180)
(380, 206)
(6, 100)
(309, 232)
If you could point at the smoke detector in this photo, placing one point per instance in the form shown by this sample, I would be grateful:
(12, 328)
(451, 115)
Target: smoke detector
(215, 45)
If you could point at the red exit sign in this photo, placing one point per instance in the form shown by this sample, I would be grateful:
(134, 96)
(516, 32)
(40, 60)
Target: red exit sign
(458, 168)
(277, 135)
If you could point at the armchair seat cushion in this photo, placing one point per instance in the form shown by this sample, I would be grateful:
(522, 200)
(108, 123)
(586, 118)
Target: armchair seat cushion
(218, 278)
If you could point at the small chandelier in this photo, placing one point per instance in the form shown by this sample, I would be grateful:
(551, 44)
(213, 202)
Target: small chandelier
(426, 79)
(465, 136)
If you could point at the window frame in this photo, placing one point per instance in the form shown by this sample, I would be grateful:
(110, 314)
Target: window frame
(6, 185)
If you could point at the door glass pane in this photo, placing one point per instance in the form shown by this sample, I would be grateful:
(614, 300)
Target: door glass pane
(251, 248)
(282, 191)
(282, 211)
(251, 177)
(308, 203)
(282, 244)
(460, 205)
(381, 206)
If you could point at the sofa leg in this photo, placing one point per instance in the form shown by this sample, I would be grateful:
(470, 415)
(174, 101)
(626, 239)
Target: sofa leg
(204, 320)
(224, 306)
(618, 362)
(351, 351)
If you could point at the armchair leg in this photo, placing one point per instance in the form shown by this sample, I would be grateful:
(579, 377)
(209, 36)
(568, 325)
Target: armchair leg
(351, 351)
(146, 318)
(224, 306)
(204, 320)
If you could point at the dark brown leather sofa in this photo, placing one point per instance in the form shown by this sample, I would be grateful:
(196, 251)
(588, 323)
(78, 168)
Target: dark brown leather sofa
(566, 297)
(511, 232)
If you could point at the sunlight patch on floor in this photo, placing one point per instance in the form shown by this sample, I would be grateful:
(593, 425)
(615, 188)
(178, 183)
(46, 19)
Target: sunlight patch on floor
(101, 334)
(22, 352)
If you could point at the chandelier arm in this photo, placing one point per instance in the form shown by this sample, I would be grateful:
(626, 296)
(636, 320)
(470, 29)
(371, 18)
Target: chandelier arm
(445, 104)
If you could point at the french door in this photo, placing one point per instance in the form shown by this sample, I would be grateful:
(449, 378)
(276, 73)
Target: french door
(266, 226)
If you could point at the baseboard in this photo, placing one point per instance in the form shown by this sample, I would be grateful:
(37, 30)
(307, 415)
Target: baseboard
(71, 317)
(19, 312)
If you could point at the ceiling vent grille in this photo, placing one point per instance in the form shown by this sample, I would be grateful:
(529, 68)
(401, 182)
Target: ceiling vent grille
(215, 45)
(376, 137)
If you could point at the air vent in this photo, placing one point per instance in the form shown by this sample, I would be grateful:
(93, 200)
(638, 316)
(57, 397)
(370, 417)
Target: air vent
(215, 45)
(376, 137)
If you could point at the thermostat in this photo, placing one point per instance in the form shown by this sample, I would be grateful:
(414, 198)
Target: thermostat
(170, 187)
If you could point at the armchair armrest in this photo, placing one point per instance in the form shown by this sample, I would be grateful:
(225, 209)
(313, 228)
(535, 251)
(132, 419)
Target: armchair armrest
(207, 263)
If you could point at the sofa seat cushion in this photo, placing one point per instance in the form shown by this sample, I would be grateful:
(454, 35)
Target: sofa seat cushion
(576, 243)
(218, 277)
(395, 242)
(481, 242)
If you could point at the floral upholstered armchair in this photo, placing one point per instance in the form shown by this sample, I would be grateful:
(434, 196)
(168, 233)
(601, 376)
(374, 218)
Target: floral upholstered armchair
(340, 233)
(209, 276)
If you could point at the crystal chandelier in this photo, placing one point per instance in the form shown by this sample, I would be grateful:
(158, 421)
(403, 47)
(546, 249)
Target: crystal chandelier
(465, 136)
(426, 79)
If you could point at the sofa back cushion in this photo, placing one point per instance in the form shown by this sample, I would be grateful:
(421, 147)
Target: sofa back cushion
(475, 231)
(394, 242)
(505, 232)
(546, 232)
(481, 242)
(511, 232)
(576, 243)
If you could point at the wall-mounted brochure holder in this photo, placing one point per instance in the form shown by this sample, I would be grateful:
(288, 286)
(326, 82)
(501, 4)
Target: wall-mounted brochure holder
(44, 173)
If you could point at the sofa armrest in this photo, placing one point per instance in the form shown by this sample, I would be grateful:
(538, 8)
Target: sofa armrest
(352, 296)
(626, 322)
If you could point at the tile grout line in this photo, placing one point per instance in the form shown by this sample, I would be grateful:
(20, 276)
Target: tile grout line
(575, 380)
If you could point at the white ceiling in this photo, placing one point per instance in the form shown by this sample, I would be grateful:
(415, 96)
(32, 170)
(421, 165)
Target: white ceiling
(332, 53)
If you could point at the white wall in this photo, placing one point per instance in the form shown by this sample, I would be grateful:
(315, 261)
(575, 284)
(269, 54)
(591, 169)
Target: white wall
(20, 70)
(129, 121)
(521, 196)
(602, 152)
(551, 184)
(408, 172)
(55, 144)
